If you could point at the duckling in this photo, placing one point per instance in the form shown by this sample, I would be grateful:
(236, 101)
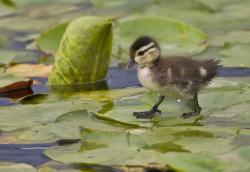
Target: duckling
(181, 75)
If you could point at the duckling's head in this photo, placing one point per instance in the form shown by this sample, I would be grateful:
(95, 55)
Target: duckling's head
(144, 50)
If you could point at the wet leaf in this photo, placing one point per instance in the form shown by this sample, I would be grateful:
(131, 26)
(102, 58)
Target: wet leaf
(85, 38)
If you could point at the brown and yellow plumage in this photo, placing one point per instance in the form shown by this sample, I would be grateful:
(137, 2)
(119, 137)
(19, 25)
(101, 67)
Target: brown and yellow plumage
(182, 75)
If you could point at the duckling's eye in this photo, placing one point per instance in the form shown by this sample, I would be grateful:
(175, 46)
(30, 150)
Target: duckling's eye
(140, 53)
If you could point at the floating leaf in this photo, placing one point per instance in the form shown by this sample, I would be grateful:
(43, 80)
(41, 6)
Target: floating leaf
(30, 70)
(193, 162)
(15, 87)
(8, 57)
(236, 55)
(49, 41)
(230, 37)
(175, 37)
(132, 156)
(67, 126)
(12, 118)
(84, 52)
(2, 41)
(12, 167)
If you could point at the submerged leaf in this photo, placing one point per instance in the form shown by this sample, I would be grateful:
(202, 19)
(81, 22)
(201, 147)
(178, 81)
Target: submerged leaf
(84, 52)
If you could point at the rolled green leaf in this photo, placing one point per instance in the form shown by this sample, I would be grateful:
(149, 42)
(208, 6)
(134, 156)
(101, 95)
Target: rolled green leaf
(84, 52)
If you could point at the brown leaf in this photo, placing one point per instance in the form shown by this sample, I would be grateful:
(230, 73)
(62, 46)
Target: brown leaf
(30, 70)
(17, 89)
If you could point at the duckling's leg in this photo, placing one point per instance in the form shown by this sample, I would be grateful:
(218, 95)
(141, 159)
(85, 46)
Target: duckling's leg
(197, 108)
(149, 114)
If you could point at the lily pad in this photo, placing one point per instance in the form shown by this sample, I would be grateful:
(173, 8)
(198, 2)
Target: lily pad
(175, 37)
(236, 55)
(8, 57)
(125, 151)
(49, 41)
(30, 70)
(45, 113)
(231, 37)
(68, 126)
(12, 167)
(84, 52)
(2, 40)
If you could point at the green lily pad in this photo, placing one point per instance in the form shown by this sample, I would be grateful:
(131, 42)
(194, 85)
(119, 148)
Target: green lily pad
(175, 37)
(8, 57)
(193, 162)
(2, 40)
(230, 37)
(12, 167)
(68, 126)
(122, 150)
(49, 41)
(12, 118)
(84, 52)
(208, 15)
(236, 55)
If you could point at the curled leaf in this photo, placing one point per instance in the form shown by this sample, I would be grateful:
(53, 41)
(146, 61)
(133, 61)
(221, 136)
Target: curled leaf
(84, 52)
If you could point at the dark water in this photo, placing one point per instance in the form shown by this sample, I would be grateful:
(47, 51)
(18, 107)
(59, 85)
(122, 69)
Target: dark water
(33, 153)
(127, 78)
(24, 153)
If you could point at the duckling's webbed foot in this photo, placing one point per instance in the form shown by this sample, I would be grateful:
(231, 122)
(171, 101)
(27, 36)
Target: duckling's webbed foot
(150, 114)
(197, 109)
(146, 114)
(189, 114)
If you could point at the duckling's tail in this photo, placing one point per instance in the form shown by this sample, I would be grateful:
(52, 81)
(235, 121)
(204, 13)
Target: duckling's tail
(209, 69)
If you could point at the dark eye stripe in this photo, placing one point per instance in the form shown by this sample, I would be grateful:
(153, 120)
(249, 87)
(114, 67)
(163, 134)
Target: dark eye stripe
(142, 52)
